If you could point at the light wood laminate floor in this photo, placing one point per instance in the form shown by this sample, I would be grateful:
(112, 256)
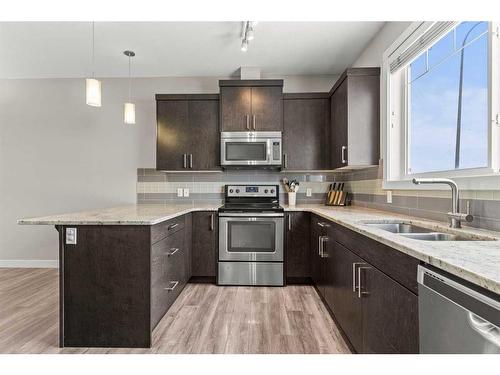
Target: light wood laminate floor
(204, 319)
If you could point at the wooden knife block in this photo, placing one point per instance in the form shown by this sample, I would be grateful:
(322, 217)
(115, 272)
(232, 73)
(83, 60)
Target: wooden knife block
(336, 198)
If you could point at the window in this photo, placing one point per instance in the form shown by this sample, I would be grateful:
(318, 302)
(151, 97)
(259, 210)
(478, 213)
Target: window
(448, 102)
(439, 112)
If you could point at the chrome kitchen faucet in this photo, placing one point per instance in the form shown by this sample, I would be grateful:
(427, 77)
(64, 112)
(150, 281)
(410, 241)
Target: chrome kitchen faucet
(455, 216)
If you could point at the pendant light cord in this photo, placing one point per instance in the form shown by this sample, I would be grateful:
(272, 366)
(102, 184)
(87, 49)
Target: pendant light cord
(129, 80)
(93, 50)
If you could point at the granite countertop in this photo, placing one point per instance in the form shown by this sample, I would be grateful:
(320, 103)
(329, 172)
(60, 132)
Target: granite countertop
(474, 261)
(133, 214)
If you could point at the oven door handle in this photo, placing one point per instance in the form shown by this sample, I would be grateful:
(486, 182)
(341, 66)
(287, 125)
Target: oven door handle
(250, 215)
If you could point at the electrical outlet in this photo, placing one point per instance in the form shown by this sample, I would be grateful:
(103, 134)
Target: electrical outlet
(389, 196)
(186, 192)
(70, 236)
(309, 192)
(179, 192)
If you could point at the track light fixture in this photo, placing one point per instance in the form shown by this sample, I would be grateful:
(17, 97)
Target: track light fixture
(248, 34)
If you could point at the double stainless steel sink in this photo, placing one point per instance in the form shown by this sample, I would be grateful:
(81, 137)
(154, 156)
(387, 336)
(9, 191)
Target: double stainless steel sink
(416, 232)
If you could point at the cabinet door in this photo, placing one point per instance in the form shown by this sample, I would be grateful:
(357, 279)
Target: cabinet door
(235, 108)
(305, 126)
(390, 314)
(203, 252)
(173, 136)
(338, 131)
(341, 298)
(204, 132)
(297, 246)
(267, 108)
(188, 242)
(318, 230)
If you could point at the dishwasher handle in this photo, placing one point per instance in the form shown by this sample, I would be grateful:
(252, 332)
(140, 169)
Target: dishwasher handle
(486, 329)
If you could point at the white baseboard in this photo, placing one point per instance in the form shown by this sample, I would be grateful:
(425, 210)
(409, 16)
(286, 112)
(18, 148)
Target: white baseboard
(18, 263)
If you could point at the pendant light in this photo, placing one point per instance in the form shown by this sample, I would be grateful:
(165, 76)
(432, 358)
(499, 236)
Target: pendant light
(92, 85)
(129, 109)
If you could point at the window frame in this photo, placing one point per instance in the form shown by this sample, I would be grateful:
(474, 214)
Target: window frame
(394, 118)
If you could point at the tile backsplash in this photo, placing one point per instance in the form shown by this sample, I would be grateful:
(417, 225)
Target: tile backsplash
(364, 186)
(208, 187)
(366, 190)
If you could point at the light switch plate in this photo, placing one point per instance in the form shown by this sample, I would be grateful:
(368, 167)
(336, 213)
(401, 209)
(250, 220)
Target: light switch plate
(309, 192)
(186, 192)
(70, 236)
(179, 192)
(389, 196)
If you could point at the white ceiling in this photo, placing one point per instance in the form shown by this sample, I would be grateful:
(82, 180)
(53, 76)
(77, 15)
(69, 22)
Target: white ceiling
(165, 49)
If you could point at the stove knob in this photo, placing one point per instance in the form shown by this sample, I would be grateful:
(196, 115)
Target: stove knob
(237, 190)
(266, 191)
(231, 190)
(272, 191)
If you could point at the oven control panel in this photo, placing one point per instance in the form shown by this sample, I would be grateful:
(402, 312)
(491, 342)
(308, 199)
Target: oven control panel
(252, 191)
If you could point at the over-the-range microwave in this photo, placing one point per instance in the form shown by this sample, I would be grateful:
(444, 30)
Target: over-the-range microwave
(251, 149)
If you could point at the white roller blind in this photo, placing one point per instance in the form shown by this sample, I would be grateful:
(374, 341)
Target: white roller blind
(407, 53)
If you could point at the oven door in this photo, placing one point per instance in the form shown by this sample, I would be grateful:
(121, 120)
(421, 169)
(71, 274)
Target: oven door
(251, 238)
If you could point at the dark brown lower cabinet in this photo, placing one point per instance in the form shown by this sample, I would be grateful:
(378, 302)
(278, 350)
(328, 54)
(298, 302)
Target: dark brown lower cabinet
(297, 242)
(169, 273)
(390, 314)
(118, 281)
(377, 313)
(203, 253)
(318, 231)
(339, 293)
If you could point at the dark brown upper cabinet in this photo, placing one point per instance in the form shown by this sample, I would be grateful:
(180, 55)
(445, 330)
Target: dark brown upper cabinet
(305, 122)
(251, 105)
(355, 119)
(187, 135)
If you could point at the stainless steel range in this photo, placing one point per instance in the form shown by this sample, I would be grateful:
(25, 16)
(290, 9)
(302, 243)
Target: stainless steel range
(251, 236)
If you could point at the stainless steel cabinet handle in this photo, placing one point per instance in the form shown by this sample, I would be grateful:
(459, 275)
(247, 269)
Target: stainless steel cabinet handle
(289, 222)
(191, 161)
(344, 148)
(360, 287)
(285, 160)
(323, 225)
(354, 265)
(323, 239)
(172, 251)
(319, 245)
(184, 156)
(212, 222)
(174, 285)
(172, 226)
(248, 121)
(253, 121)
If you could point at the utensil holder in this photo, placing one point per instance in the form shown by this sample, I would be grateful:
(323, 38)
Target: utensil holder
(292, 198)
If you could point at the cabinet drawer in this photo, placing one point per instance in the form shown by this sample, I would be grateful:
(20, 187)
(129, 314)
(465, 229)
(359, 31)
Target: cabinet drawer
(168, 274)
(167, 228)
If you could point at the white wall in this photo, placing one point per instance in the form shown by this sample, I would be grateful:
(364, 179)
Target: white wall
(372, 54)
(59, 155)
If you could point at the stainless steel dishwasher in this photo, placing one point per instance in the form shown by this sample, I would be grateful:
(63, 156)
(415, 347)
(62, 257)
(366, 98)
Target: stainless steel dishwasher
(455, 317)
